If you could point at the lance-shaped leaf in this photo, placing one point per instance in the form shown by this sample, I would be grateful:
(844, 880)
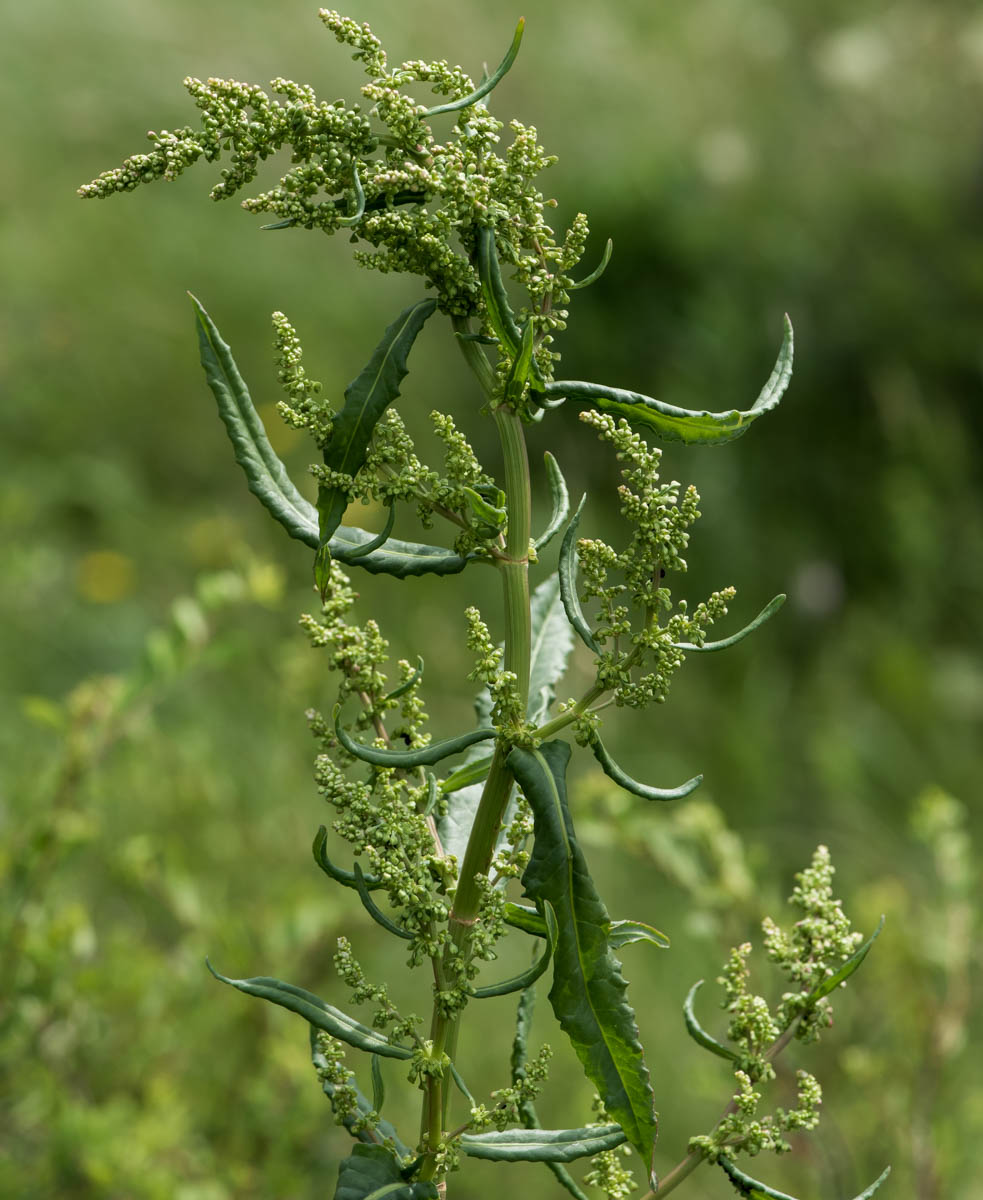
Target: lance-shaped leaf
(825, 986)
(394, 557)
(620, 933)
(568, 582)
(486, 85)
(681, 424)
(339, 874)
(560, 499)
(598, 271)
(525, 979)
(374, 911)
(366, 398)
(373, 1173)
(613, 771)
(383, 1131)
(500, 315)
(268, 479)
(265, 473)
(623, 933)
(424, 756)
(314, 1010)
(698, 1033)
(753, 1189)
(543, 1145)
(768, 611)
(379, 540)
(470, 773)
(412, 681)
(588, 992)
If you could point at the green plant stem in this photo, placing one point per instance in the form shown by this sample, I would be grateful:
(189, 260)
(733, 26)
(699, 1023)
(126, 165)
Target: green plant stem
(514, 568)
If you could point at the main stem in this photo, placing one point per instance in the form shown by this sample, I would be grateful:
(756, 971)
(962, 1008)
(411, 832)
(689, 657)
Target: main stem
(514, 568)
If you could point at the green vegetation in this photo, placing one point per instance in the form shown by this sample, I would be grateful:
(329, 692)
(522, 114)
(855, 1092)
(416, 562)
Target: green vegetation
(170, 825)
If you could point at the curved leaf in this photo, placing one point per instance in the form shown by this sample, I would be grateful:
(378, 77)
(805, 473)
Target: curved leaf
(560, 498)
(588, 993)
(620, 933)
(425, 756)
(378, 1084)
(338, 874)
(366, 398)
(383, 1130)
(407, 684)
(522, 365)
(470, 773)
(825, 986)
(768, 611)
(613, 771)
(752, 1189)
(682, 424)
(525, 979)
(568, 582)
(500, 315)
(268, 479)
(379, 540)
(623, 933)
(543, 1145)
(313, 1009)
(488, 84)
(698, 1033)
(373, 1173)
(265, 473)
(395, 557)
(598, 271)
(374, 911)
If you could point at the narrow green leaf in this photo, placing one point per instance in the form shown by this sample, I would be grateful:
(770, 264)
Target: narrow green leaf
(487, 85)
(522, 366)
(359, 212)
(398, 558)
(852, 963)
(316, 1012)
(752, 1189)
(598, 271)
(382, 1131)
(527, 978)
(588, 992)
(265, 473)
(698, 1033)
(374, 911)
(487, 514)
(620, 933)
(613, 771)
(425, 756)
(500, 315)
(338, 874)
(378, 1084)
(768, 611)
(372, 1172)
(472, 772)
(623, 933)
(366, 398)
(560, 498)
(681, 424)
(379, 540)
(568, 581)
(405, 687)
(543, 1145)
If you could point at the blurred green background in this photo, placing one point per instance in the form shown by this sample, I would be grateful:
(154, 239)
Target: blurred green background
(155, 798)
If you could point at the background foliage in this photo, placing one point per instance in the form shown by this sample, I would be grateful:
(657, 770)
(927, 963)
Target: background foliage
(155, 799)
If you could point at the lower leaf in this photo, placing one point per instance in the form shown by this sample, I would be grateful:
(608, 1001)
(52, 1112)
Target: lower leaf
(371, 1173)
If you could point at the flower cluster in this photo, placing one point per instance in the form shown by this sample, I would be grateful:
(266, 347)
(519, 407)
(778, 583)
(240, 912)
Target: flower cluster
(414, 202)
(637, 664)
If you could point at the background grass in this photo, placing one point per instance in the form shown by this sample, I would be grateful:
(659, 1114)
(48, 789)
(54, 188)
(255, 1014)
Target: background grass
(155, 790)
